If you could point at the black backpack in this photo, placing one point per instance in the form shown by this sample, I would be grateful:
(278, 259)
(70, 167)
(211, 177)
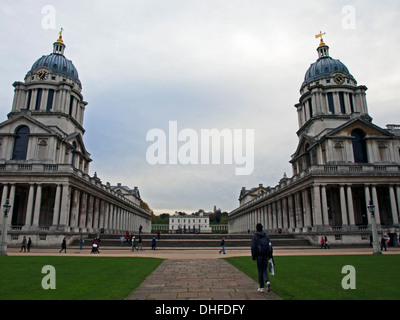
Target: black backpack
(264, 246)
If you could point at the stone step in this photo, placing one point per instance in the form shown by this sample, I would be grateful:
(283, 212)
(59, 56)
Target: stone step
(196, 241)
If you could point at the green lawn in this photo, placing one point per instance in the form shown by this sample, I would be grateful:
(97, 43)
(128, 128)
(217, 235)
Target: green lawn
(77, 278)
(320, 277)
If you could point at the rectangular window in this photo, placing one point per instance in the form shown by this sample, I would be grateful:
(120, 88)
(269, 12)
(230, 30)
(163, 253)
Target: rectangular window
(310, 108)
(330, 103)
(38, 99)
(342, 106)
(71, 103)
(351, 102)
(28, 102)
(50, 99)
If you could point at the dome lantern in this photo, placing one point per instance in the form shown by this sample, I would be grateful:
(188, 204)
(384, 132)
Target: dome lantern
(59, 46)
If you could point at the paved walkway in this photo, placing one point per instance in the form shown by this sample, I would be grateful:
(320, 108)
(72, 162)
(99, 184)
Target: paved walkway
(206, 279)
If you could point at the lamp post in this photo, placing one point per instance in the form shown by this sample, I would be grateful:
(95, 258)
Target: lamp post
(3, 246)
(375, 240)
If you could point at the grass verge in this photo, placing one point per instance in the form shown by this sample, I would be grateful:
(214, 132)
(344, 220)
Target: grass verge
(77, 278)
(320, 277)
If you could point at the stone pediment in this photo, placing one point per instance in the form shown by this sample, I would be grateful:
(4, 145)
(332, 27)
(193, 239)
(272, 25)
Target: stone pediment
(36, 127)
(369, 128)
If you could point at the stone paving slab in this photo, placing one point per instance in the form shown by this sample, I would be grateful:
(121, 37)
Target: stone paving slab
(207, 279)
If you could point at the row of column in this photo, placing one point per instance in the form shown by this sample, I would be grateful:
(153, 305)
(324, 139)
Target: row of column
(307, 210)
(75, 210)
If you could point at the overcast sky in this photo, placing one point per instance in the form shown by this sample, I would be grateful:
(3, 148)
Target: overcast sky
(202, 64)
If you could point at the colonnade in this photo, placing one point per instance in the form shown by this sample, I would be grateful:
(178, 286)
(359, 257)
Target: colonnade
(319, 207)
(68, 208)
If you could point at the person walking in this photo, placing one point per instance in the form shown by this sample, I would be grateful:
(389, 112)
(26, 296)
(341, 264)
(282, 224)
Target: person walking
(23, 244)
(81, 241)
(383, 243)
(223, 246)
(153, 243)
(261, 252)
(64, 246)
(140, 243)
(29, 245)
(134, 244)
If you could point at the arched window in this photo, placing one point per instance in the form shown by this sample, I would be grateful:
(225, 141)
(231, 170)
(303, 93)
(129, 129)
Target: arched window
(21, 143)
(359, 146)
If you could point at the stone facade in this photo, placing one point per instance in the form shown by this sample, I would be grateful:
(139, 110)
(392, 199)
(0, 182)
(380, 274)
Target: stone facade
(44, 164)
(189, 223)
(342, 162)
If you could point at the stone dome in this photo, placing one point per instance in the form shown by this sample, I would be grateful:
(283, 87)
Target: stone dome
(324, 66)
(58, 64)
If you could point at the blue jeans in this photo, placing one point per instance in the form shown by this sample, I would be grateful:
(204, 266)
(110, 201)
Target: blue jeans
(222, 250)
(262, 266)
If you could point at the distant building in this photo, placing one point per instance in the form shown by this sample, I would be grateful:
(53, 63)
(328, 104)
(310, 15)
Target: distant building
(189, 223)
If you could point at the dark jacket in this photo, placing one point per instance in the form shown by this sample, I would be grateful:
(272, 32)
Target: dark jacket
(254, 243)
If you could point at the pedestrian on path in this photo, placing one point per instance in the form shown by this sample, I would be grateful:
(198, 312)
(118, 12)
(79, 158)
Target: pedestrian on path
(153, 243)
(140, 245)
(223, 246)
(64, 246)
(383, 243)
(29, 245)
(23, 244)
(261, 252)
(81, 241)
(134, 244)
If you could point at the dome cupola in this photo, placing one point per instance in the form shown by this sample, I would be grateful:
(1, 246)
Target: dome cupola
(56, 64)
(325, 66)
(330, 95)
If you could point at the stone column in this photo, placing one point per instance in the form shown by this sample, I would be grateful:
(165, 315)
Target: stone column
(89, 218)
(65, 208)
(343, 207)
(3, 201)
(12, 204)
(29, 208)
(75, 210)
(316, 204)
(291, 212)
(375, 201)
(57, 203)
(324, 206)
(395, 214)
(96, 214)
(36, 212)
(83, 212)
(350, 206)
(307, 211)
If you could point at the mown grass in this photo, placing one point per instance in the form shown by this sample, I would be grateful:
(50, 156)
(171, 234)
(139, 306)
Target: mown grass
(320, 277)
(77, 278)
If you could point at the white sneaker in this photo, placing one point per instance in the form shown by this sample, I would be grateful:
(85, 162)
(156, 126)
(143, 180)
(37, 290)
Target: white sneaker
(260, 289)
(268, 286)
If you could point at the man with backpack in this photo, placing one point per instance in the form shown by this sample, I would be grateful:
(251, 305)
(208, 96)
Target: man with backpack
(261, 251)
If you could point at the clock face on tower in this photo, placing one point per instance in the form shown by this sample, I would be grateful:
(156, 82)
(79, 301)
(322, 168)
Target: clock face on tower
(339, 79)
(42, 75)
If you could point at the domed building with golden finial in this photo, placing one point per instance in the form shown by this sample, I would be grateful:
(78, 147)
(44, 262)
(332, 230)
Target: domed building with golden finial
(343, 165)
(44, 164)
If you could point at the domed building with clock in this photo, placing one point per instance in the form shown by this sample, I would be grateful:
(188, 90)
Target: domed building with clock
(44, 164)
(343, 163)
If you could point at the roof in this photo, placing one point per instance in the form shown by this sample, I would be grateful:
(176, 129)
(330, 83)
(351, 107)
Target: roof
(58, 64)
(324, 67)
